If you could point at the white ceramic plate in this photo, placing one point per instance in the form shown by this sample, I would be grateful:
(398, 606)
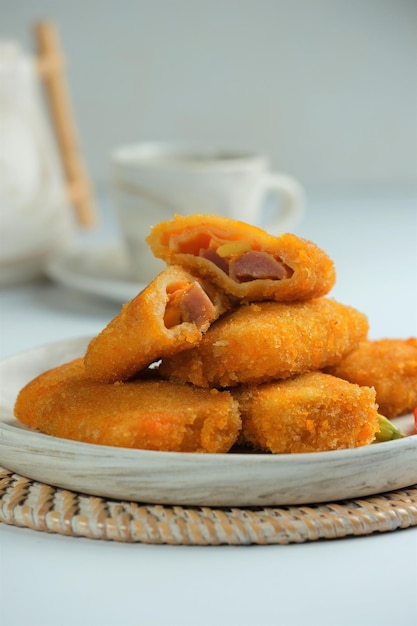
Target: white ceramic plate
(186, 478)
(101, 270)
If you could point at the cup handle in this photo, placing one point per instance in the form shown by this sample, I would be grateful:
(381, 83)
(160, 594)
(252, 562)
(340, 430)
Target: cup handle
(290, 208)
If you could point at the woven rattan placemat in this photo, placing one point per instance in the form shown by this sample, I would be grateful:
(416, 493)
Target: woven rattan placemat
(30, 504)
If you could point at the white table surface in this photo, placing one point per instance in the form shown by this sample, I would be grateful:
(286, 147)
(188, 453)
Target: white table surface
(52, 580)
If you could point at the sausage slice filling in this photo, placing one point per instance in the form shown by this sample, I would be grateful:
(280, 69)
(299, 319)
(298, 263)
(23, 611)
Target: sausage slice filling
(239, 259)
(248, 265)
(188, 302)
(257, 264)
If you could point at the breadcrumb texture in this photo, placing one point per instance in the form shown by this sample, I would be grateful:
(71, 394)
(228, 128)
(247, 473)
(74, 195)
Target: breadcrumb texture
(388, 365)
(310, 413)
(138, 336)
(265, 341)
(145, 414)
(176, 242)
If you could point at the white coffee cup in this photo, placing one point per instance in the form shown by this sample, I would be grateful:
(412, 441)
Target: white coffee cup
(151, 182)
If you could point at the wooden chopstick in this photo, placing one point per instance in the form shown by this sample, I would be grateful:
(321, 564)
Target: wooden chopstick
(51, 70)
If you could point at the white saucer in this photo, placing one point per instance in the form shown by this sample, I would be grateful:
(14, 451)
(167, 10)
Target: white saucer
(22, 269)
(101, 270)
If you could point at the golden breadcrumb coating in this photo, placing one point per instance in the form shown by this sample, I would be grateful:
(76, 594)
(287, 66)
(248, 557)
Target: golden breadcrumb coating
(309, 413)
(154, 324)
(145, 414)
(388, 365)
(265, 341)
(242, 260)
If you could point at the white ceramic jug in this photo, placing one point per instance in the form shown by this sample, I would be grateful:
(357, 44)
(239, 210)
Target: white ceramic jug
(35, 216)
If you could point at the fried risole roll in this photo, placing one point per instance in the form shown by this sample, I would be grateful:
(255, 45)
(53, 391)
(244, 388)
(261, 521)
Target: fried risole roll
(244, 261)
(266, 341)
(388, 365)
(145, 414)
(310, 413)
(169, 315)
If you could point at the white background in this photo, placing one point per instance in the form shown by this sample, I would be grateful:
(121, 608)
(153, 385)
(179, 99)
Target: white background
(326, 88)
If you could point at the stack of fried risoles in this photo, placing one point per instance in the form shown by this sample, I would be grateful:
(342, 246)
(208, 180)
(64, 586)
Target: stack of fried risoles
(227, 345)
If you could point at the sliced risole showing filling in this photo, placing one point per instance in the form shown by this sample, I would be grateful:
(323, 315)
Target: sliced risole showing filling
(188, 302)
(237, 259)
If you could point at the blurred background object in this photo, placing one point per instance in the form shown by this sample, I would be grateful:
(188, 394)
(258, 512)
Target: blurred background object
(152, 182)
(326, 88)
(35, 217)
(41, 171)
(50, 66)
